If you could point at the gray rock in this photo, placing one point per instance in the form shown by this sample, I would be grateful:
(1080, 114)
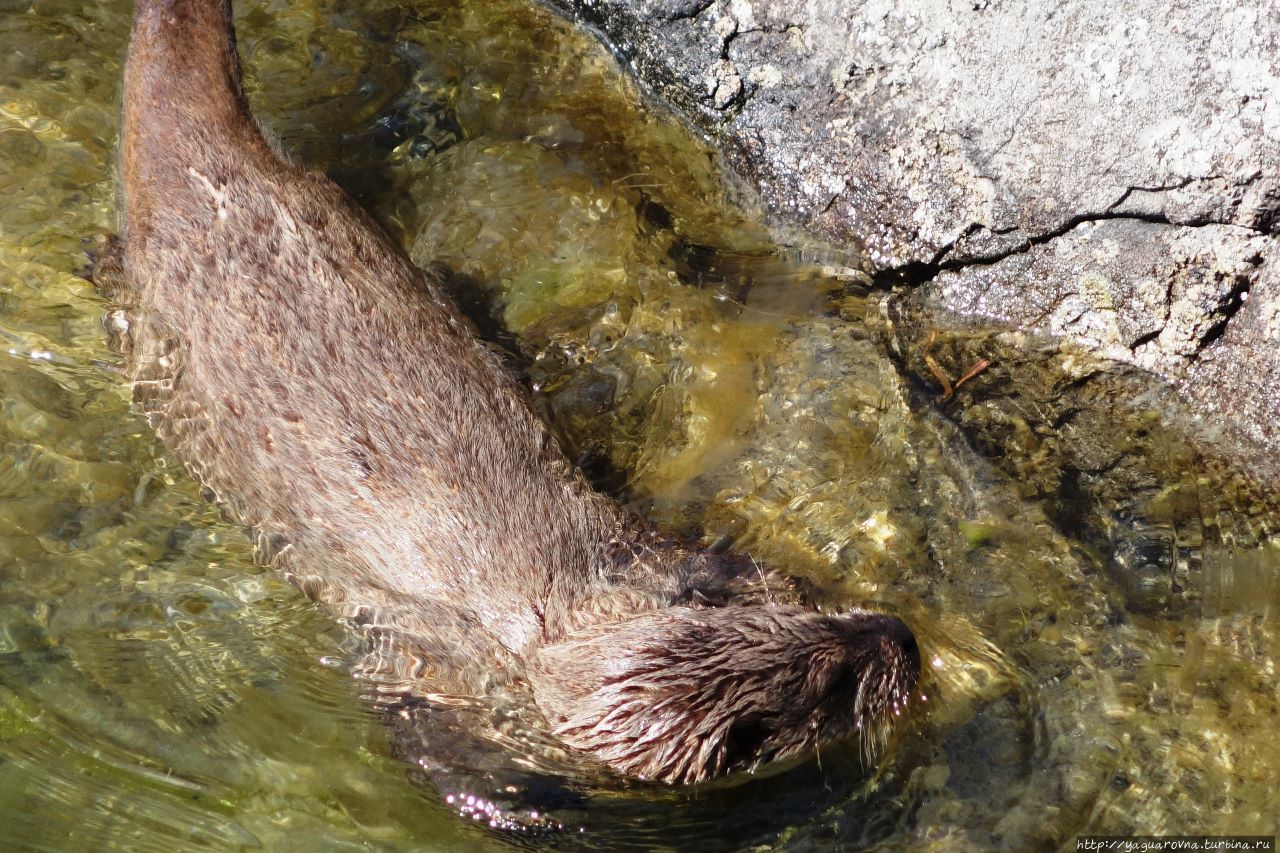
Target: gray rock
(961, 130)
(1199, 306)
(1104, 171)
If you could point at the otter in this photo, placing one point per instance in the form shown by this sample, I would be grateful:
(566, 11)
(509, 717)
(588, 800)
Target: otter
(329, 397)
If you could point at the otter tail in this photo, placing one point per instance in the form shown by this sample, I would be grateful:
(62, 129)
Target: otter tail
(184, 110)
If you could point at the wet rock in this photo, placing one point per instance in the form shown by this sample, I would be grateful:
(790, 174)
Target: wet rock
(1098, 445)
(1106, 172)
(1150, 294)
(1199, 307)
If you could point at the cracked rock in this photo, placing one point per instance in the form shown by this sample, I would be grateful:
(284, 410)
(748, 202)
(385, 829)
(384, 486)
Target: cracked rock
(1107, 172)
(723, 83)
(1144, 293)
(1198, 306)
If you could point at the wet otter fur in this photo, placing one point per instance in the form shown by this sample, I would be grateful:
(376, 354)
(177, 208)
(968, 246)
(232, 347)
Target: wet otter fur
(329, 396)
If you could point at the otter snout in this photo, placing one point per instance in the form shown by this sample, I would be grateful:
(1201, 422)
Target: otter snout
(683, 695)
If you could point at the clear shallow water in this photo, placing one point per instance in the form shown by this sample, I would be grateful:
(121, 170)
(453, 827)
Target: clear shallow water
(158, 691)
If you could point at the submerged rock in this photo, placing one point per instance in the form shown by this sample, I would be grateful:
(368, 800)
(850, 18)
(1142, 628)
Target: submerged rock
(1102, 172)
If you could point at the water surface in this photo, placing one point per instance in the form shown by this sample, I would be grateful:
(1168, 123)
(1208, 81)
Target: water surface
(1096, 601)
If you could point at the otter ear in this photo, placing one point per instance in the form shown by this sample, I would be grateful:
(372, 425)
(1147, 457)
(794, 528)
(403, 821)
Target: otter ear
(840, 678)
(746, 742)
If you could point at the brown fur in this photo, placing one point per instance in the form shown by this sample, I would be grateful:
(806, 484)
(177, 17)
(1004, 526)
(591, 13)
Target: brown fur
(329, 396)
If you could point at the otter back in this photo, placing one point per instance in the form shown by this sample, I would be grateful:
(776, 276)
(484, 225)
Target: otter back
(311, 377)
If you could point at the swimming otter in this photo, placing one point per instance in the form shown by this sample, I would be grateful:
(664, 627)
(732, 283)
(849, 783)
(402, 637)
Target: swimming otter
(328, 395)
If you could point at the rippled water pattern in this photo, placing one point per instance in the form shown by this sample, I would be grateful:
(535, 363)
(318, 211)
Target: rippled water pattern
(159, 692)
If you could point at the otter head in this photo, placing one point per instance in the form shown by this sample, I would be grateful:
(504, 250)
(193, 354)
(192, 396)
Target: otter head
(682, 695)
